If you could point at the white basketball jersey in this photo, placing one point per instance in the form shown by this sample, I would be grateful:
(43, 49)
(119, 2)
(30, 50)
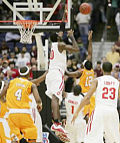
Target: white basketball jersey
(57, 59)
(72, 102)
(107, 91)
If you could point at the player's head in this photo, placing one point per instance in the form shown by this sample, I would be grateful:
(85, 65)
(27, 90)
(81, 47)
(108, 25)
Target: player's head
(54, 37)
(87, 64)
(107, 67)
(77, 90)
(57, 37)
(24, 71)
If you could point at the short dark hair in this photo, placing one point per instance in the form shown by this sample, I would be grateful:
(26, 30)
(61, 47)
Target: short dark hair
(99, 62)
(77, 89)
(54, 37)
(11, 62)
(107, 67)
(88, 65)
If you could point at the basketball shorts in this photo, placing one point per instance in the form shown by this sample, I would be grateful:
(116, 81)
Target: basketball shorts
(76, 132)
(21, 122)
(55, 83)
(38, 123)
(104, 119)
(4, 131)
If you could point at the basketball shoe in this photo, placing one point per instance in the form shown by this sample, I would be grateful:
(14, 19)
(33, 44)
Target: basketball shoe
(57, 127)
(60, 132)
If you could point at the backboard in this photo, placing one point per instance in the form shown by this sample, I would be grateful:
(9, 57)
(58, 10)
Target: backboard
(48, 14)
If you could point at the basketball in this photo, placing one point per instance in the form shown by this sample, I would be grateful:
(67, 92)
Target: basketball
(85, 8)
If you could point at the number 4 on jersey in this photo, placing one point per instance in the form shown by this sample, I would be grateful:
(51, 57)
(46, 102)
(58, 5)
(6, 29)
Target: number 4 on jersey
(18, 94)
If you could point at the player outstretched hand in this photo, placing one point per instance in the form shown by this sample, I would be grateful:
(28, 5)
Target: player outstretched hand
(74, 118)
(39, 106)
(90, 35)
(70, 33)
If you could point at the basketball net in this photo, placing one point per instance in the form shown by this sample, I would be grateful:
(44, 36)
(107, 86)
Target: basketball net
(26, 28)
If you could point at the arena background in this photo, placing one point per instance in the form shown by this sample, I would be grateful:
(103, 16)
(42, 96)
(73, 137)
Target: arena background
(105, 35)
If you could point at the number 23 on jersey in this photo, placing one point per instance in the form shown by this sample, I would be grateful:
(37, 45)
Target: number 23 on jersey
(108, 93)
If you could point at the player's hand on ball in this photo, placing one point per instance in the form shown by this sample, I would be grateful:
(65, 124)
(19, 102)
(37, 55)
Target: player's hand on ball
(39, 106)
(74, 118)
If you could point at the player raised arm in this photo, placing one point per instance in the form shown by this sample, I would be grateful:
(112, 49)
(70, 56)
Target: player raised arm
(89, 57)
(38, 80)
(75, 74)
(37, 97)
(86, 99)
(71, 48)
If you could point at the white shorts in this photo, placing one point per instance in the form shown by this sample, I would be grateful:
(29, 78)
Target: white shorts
(36, 118)
(103, 119)
(76, 132)
(55, 83)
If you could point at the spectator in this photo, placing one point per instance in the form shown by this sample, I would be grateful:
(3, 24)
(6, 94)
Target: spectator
(22, 60)
(33, 52)
(33, 61)
(17, 52)
(5, 57)
(4, 48)
(117, 43)
(27, 55)
(116, 71)
(116, 75)
(117, 20)
(111, 10)
(5, 67)
(34, 67)
(116, 67)
(13, 72)
(83, 24)
(12, 57)
(104, 59)
(98, 70)
(83, 51)
(113, 56)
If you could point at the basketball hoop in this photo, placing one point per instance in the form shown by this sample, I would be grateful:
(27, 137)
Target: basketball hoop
(26, 28)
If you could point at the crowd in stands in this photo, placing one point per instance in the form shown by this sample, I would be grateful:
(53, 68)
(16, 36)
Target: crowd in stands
(10, 61)
(13, 58)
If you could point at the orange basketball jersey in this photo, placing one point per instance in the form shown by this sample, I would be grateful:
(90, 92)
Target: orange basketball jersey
(86, 79)
(18, 94)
